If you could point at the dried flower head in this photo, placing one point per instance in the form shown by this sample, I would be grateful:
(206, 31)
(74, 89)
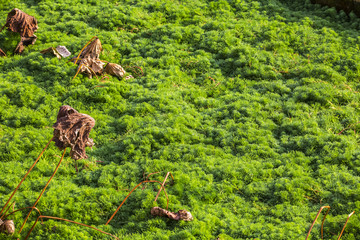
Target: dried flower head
(72, 130)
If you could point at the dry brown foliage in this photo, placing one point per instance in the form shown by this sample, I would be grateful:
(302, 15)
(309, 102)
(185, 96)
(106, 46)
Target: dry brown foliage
(115, 70)
(59, 51)
(24, 24)
(91, 65)
(7, 226)
(180, 215)
(72, 130)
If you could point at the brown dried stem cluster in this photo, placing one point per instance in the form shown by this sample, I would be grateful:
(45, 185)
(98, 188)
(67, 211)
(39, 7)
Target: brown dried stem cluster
(91, 65)
(19, 22)
(322, 222)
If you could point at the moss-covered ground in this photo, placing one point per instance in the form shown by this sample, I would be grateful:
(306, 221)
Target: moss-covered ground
(253, 106)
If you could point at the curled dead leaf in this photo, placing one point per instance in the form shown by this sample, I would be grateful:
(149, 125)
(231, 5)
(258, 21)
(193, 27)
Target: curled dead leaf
(92, 50)
(180, 215)
(51, 50)
(63, 51)
(59, 51)
(115, 70)
(24, 24)
(91, 67)
(72, 130)
(7, 227)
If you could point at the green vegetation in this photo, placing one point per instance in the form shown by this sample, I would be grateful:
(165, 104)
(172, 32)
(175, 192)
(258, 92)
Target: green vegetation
(243, 101)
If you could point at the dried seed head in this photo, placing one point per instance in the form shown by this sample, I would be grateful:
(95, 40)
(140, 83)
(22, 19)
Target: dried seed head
(72, 130)
(7, 227)
(115, 70)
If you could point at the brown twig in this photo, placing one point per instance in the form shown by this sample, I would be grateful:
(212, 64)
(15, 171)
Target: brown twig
(146, 181)
(42, 192)
(26, 175)
(23, 209)
(163, 185)
(62, 219)
(147, 177)
(350, 126)
(345, 224)
(328, 207)
(2, 217)
(88, 68)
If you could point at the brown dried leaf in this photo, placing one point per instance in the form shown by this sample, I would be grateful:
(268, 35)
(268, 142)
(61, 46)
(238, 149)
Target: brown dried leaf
(25, 41)
(7, 227)
(115, 70)
(24, 24)
(180, 215)
(52, 51)
(72, 130)
(92, 50)
(63, 51)
(91, 66)
(59, 51)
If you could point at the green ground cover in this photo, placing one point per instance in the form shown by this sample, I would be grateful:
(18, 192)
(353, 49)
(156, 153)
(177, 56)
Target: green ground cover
(243, 101)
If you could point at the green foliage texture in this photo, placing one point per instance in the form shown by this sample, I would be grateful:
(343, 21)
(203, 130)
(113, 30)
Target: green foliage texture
(243, 101)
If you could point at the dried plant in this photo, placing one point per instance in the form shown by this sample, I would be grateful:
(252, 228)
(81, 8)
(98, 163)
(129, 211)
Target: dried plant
(115, 70)
(62, 219)
(91, 65)
(180, 215)
(24, 24)
(7, 227)
(72, 130)
(345, 224)
(322, 223)
(59, 51)
(146, 181)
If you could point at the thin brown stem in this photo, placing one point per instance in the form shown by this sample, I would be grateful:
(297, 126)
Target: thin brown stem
(42, 192)
(70, 221)
(26, 175)
(88, 68)
(23, 209)
(163, 184)
(2, 217)
(345, 224)
(322, 223)
(317, 215)
(84, 48)
(2, 28)
(130, 194)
